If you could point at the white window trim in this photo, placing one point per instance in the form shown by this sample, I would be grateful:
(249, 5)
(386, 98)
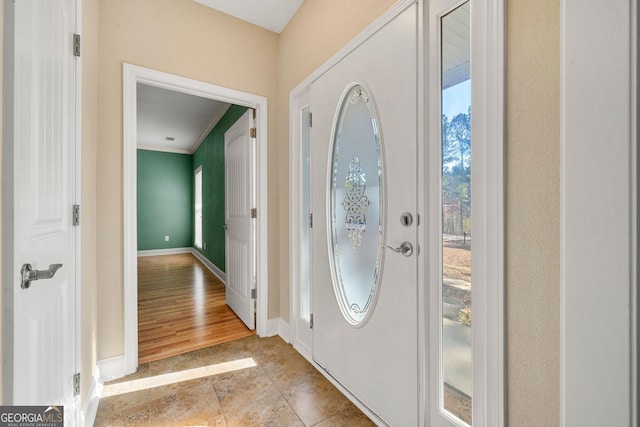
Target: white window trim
(195, 177)
(598, 213)
(300, 332)
(487, 99)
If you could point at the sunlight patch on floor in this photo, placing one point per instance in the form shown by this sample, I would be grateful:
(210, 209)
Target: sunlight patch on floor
(176, 377)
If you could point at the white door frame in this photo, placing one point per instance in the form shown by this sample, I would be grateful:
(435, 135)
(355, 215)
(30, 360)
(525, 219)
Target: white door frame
(599, 213)
(299, 328)
(10, 278)
(132, 75)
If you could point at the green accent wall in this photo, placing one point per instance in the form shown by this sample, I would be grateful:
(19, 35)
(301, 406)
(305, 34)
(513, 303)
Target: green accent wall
(210, 155)
(165, 200)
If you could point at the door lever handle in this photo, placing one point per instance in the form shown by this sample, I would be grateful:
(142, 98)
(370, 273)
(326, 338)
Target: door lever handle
(29, 275)
(405, 249)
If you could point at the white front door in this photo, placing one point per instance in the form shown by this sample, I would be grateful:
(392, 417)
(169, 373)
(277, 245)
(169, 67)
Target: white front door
(364, 251)
(41, 168)
(239, 196)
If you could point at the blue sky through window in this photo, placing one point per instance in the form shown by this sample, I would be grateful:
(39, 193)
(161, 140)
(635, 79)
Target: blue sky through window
(456, 99)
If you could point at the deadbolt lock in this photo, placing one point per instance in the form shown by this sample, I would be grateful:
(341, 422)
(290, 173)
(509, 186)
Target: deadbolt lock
(406, 219)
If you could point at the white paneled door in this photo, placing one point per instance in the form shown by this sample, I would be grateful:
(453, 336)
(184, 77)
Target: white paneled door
(364, 236)
(43, 136)
(240, 200)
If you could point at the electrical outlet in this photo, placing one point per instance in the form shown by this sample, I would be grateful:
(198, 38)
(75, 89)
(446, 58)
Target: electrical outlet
(204, 245)
(166, 238)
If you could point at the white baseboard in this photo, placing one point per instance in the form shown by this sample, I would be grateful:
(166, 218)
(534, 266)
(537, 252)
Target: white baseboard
(91, 402)
(212, 267)
(112, 368)
(283, 331)
(279, 327)
(169, 251)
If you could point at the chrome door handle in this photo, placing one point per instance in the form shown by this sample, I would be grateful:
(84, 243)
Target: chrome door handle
(226, 227)
(29, 275)
(405, 249)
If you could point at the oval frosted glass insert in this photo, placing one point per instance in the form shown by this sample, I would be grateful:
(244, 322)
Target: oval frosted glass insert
(356, 206)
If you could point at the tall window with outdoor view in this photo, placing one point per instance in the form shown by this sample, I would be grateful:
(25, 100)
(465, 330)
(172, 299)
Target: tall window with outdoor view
(197, 209)
(456, 346)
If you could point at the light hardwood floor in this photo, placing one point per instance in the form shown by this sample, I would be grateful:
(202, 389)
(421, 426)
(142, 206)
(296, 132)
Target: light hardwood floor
(181, 308)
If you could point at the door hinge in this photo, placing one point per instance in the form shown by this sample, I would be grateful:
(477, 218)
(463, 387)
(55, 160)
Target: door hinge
(252, 132)
(254, 213)
(76, 45)
(310, 220)
(311, 321)
(310, 119)
(76, 384)
(76, 215)
(254, 293)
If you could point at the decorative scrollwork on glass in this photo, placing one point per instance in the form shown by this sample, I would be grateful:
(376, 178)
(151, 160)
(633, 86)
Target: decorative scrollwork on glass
(357, 95)
(355, 203)
(355, 308)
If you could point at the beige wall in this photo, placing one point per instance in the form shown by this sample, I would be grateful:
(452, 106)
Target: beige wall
(89, 281)
(184, 38)
(533, 212)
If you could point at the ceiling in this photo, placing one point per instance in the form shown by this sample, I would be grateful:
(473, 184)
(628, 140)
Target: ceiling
(270, 14)
(456, 46)
(173, 121)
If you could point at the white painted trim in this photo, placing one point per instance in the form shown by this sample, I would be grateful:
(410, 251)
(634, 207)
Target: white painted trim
(487, 99)
(169, 251)
(297, 103)
(487, 94)
(280, 328)
(91, 402)
(598, 213)
(78, 201)
(131, 76)
(284, 331)
(221, 275)
(112, 368)
(273, 327)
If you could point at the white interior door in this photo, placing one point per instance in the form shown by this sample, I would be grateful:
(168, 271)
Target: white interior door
(365, 293)
(240, 253)
(43, 173)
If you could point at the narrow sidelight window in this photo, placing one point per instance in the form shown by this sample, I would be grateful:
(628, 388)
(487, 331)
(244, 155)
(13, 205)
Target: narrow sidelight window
(456, 346)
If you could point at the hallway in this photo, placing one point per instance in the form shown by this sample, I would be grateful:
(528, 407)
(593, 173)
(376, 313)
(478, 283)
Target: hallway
(181, 308)
(248, 382)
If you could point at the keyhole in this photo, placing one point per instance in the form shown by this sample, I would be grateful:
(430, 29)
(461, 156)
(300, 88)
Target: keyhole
(406, 219)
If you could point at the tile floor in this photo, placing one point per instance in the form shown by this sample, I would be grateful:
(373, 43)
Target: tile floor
(248, 382)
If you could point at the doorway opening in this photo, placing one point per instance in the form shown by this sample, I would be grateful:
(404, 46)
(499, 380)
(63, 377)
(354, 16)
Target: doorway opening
(135, 76)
